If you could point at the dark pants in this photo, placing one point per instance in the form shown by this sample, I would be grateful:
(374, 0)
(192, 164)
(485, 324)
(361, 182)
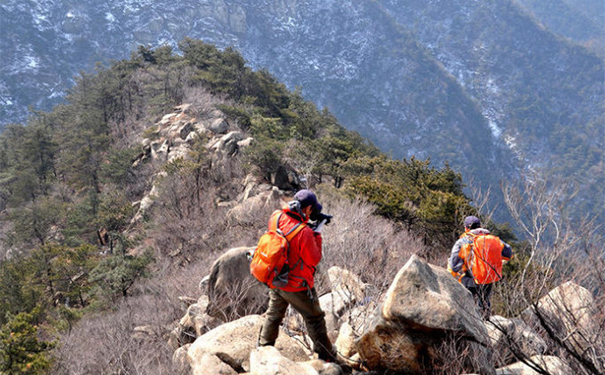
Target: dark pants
(482, 294)
(307, 304)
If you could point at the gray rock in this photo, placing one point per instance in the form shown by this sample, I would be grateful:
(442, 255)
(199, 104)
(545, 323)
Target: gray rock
(232, 291)
(268, 360)
(209, 364)
(203, 286)
(247, 212)
(281, 179)
(569, 311)
(423, 305)
(345, 343)
(218, 126)
(335, 302)
(552, 365)
(510, 335)
(183, 108)
(186, 129)
(234, 341)
(179, 358)
(245, 143)
(167, 119)
(347, 283)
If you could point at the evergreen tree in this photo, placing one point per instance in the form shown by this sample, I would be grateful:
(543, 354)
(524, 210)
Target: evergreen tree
(21, 349)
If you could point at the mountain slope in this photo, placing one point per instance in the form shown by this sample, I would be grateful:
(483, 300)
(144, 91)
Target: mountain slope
(477, 84)
(579, 21)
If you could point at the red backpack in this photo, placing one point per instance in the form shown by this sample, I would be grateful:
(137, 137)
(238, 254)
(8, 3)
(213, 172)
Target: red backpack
(270, 259)
(483, 257)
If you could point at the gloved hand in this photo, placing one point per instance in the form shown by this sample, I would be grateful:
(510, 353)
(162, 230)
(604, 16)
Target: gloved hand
(320, 221)
(319, 217)
(320, 225)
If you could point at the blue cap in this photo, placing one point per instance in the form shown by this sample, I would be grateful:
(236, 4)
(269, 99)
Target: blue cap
(308, 198)
(472, 222)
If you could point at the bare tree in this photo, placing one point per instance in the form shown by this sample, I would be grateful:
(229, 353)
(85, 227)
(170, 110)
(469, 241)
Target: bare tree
(559, 250)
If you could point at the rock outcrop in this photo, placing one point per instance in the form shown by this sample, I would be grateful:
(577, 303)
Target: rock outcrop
(568, 310)
(233, 342)
(425, 320)
(173, 137)
(232, 291)
(423, 307)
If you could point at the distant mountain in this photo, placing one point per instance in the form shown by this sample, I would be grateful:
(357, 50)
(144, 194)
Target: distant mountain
(479, 85)
(580, 21)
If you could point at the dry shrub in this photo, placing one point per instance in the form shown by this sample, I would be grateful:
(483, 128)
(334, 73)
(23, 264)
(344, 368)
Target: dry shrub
(366, 244)
(457, 355)
(189, 221)
(106, 343)
(201, 100)
(561, 249)
(237, 301)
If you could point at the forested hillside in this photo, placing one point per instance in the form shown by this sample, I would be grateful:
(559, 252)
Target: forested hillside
(73, 180)
(496, 89)
(579, 21)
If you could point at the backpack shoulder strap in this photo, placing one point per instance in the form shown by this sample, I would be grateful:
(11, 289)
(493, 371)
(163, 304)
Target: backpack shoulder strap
(274, 227)
(292, 233)
(274, 224)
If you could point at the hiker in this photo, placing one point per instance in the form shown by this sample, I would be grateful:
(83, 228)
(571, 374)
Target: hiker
(305, 255)
(476, 261)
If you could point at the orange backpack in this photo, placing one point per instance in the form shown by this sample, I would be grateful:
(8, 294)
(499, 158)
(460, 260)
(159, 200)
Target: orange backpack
(270, 259)
(484, 257)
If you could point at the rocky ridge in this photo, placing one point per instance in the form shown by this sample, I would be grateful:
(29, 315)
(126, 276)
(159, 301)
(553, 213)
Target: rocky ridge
(404, 330)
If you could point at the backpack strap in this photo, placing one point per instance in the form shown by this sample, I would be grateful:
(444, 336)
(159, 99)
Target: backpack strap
(274, 226)
(294, 231)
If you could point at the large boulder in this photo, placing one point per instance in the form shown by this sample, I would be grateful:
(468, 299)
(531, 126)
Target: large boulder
(569, 312)
(232, 291)
(423, 308)
(549, 364)
(234, 341)
(512, 337)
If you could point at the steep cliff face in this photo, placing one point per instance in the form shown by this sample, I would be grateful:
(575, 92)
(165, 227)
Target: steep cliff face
(477, 84)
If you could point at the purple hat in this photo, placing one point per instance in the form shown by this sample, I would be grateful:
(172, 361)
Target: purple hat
(307, 198)
(472, 222)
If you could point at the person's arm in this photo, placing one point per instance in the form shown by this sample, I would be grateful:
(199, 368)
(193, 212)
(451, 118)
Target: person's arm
(455, 261)
(310, 247)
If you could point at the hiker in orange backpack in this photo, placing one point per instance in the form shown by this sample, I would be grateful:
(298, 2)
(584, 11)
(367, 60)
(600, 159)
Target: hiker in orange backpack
(304, 255)
(476, 261)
